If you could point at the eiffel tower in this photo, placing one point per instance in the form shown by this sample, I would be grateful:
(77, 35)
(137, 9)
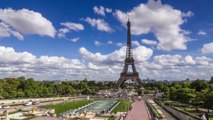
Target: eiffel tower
(129, 61)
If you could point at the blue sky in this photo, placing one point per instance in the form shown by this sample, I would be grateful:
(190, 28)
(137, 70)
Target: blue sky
(87, 38)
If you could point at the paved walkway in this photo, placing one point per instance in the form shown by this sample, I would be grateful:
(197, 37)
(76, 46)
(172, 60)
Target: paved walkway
(139, 111)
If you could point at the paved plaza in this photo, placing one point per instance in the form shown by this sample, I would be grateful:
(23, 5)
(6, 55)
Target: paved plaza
(139, 111)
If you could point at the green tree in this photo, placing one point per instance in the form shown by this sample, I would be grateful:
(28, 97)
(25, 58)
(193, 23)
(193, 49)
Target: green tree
(211, 80)
(198, 100)
(208, 97)
(166, 92)
(173, 95)
(176, 85)
(198, 85)
(185, 95)
(186, 84)
(69, 90)
(31, 88)
(87, 91)
(20, 94)
(1, 88)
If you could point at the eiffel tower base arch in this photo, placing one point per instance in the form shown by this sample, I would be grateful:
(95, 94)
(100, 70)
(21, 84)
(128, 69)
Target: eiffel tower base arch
(124, 77)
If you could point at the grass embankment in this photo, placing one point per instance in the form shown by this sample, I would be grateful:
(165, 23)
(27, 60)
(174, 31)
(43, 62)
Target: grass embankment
(189, 110)
(111, 118)
(123, 106)
(62, 107)
(193, 111)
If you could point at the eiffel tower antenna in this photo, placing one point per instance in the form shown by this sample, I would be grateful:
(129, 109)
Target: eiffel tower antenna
(129, 61)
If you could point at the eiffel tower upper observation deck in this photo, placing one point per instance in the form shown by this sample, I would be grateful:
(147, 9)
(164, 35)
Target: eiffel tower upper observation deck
(129, 61)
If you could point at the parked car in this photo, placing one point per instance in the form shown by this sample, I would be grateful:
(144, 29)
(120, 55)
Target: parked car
(5, 106)
(36, 102)
(28, 103)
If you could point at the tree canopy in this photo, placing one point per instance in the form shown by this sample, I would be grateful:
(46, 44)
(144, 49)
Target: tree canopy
(198, 93)
(28, 88)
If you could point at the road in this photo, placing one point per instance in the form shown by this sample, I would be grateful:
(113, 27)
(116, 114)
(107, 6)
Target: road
(139, 111)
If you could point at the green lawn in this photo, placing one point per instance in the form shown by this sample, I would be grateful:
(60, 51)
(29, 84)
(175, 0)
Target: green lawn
(111, 118)
(123, 106)
(189, 109)
(62, 107)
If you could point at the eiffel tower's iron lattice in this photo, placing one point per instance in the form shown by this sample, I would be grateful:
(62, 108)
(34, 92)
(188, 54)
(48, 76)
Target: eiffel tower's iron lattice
(129, 61)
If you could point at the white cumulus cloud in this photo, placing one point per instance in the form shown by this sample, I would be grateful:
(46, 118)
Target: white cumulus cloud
(135, 43)
(149, 42)
(97, 43)
(189, 60)
(99, 24)
(76, 39)
(98, 66)
(110, 42)
(15, 64)
(62, 32)
(140, 54)
(101, 10)
(9, 56)
(201, 32)
(73, 26)
(27, 22)
(68, 27)
(119, 44)
(207, 48)
(6, 31)
(178, 61)
(162, 20)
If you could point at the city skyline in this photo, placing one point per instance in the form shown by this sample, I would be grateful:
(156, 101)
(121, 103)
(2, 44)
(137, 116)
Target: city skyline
(80, 39)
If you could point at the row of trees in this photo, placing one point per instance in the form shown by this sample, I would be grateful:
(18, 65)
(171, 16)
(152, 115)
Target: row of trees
(27, 88)
(198, 93)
